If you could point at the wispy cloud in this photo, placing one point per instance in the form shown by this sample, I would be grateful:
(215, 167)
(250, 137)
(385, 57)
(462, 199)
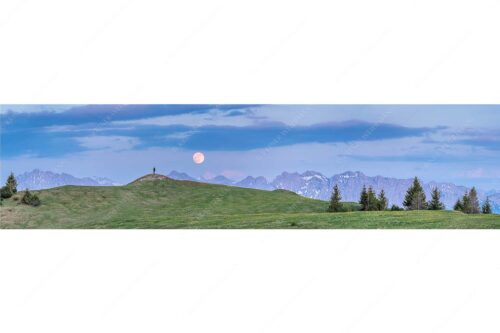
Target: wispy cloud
(253, 137)
(213, 117)
(114, 143)
(85, 128)
(489, 139)
(180, 135)
(33, 108)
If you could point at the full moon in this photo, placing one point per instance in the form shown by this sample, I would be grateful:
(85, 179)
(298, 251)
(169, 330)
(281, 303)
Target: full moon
(198, 158)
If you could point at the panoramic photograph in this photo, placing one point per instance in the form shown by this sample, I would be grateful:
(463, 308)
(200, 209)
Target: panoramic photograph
(250, 166)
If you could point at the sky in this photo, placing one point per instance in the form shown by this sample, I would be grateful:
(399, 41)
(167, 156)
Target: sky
(447, 143)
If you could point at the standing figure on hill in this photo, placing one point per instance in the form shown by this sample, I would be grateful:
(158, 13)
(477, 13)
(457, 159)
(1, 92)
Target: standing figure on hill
(154, 170)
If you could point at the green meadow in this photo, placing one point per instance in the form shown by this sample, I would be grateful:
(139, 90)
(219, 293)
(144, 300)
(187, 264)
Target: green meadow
(169, 204)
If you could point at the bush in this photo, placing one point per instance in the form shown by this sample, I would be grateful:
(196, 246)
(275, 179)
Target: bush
(30, 199)
(396, 208)
(6, 192)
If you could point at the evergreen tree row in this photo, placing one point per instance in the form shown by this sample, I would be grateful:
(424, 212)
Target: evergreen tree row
(469, 204)
(415, 199)
(369, 200)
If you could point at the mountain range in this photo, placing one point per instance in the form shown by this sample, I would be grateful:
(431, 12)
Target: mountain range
(39, 180)
(311, 184)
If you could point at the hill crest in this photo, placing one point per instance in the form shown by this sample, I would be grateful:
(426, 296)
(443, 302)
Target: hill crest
(150, 176)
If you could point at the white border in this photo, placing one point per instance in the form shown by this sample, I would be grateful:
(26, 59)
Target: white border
(219, 51)
(249, 281)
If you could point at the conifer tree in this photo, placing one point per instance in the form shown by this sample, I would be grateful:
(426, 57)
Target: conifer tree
(372, 199)
(466, 204)
(435, 203)
(335, 205)
(415, 196)
(408, 197)
(474, 201)
(12, 183)
(486, 207)
(382, 200)
(363, 199)
(458, 205)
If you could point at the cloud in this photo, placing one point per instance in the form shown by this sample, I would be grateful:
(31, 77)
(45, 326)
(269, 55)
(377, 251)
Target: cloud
(113, 143)
(180, 135)
(422, 150)
(83, 128)
(33, 108)
(403, 115)
(270, 135)
(37, 116)
(213, 117)
(236, 113)
(458, 116)
(57, 138)
(489, 139)
(477, 138)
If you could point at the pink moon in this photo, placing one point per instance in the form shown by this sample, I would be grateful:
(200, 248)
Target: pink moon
(198, 158)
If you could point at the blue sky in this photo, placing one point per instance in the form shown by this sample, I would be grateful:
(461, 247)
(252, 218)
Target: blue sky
(455, 143)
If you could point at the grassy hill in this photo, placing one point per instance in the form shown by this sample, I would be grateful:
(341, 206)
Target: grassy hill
(155, 202)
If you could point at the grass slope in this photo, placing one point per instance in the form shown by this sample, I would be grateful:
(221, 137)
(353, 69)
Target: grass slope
(170, 203)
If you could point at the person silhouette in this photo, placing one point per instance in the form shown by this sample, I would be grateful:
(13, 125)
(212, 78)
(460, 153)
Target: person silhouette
(154, 170)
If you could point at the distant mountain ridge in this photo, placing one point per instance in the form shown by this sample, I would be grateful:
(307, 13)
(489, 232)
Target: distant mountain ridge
(38, 180)
(259, 183)
(315, 185)
(180, 176)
